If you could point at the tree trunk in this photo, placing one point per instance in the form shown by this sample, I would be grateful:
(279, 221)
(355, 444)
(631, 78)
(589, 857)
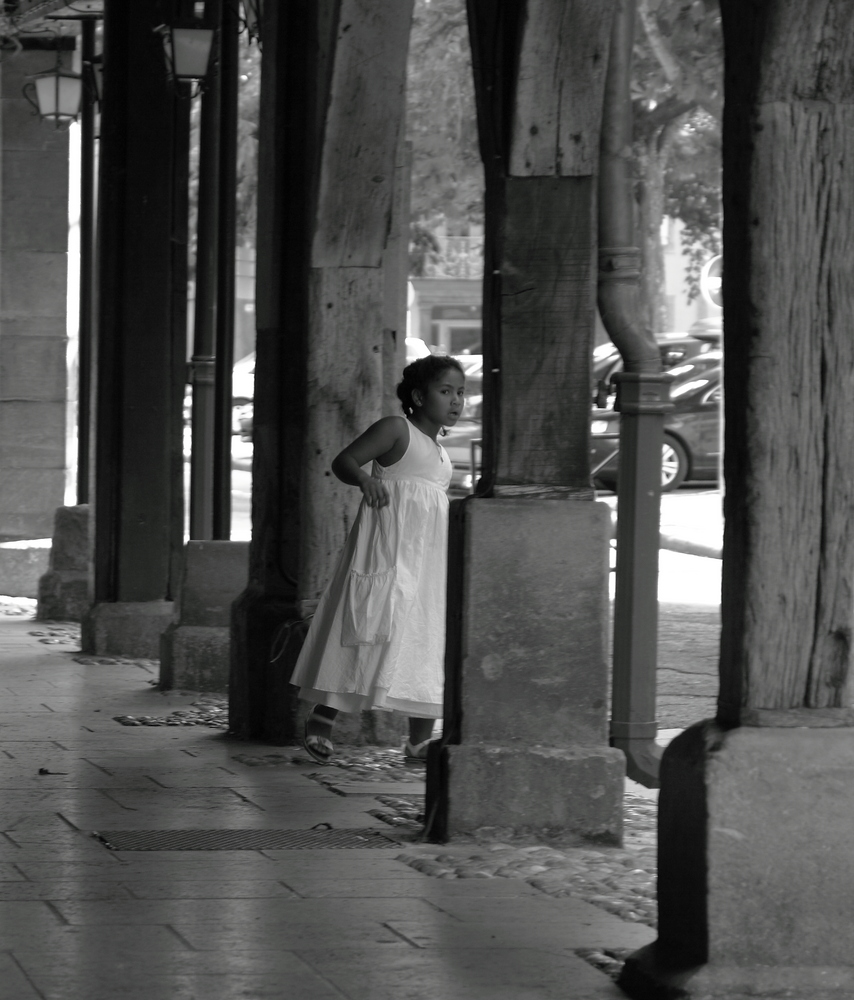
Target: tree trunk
(788, 608)
(652, 160)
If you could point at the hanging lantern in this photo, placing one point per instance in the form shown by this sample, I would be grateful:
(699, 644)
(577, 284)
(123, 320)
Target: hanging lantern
(57, 95)
(252, 13)
(188, 50)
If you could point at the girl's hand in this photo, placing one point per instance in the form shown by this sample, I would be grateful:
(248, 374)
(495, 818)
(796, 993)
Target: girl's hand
(375, 492)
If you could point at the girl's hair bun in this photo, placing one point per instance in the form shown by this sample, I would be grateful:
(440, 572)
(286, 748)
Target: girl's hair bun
(420, 374)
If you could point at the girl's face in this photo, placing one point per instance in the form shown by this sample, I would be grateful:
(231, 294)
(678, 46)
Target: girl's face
(443, 401)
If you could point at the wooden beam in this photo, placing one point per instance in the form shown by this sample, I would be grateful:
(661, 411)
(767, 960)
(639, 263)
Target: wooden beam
(788, 600)
(558, 108)
(360, 134)
(539, 80)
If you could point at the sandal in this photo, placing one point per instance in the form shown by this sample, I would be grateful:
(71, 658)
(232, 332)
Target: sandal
(418, 751)
(319, 748)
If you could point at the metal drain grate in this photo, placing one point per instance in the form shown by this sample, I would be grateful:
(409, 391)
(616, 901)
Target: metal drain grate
(241, 840)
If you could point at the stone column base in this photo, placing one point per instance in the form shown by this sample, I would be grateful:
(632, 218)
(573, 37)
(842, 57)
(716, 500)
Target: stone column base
(63, 591)
(646, 978)
(195, 657)
(62, 596)
(575, 790)
(755, 880)
(126, 628)
(524, 745)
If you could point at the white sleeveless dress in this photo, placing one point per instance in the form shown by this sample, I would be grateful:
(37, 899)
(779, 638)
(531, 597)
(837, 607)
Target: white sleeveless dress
(377, 639)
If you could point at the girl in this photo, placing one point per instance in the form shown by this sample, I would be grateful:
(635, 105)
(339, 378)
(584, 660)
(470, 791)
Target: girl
(377, 639)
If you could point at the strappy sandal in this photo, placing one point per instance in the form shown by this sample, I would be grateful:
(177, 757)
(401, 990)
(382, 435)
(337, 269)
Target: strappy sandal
(319, 748)
(418, 751)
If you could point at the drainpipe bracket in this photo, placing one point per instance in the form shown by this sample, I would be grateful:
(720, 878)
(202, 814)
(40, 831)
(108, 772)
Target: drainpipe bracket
(643, 392)
(643, 759)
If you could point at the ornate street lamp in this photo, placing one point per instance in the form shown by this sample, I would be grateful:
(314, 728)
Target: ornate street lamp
(188, 50)
(252, 12)
(57, 95)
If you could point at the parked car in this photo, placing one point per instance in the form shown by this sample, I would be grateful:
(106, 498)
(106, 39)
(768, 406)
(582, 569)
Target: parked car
(674, 348)
(242, 393)
(691, 449)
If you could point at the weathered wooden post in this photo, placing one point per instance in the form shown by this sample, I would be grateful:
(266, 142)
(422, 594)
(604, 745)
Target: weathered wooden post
(332, 108)
(525, 743)
(756, 811)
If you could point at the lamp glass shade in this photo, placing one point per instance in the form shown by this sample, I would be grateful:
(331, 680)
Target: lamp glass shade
(58, 95)
(188, 51)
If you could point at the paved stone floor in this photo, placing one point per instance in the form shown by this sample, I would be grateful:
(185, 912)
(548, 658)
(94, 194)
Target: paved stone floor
(79, 921)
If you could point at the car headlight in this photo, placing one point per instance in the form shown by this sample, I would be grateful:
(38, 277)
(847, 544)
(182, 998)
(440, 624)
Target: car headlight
(600, 426)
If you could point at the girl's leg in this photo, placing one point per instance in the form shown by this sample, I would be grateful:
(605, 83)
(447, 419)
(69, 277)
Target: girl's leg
(319, 721)
(420, 730)
(318, 729)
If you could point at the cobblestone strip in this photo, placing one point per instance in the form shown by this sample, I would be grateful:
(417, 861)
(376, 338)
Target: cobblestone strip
(619, 880)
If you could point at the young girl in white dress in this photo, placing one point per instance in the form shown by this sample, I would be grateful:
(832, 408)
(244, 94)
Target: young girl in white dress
(377, 639)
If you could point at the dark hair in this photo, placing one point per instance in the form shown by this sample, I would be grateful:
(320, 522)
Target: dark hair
(421, 374)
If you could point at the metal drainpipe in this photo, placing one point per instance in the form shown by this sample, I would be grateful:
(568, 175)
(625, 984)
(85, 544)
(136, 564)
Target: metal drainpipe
(642, 401)
(203, 361)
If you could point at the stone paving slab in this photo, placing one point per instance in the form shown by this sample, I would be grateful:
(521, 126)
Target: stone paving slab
(561, 938)
(374, 788)
(274, 974)
(14, 985)
(231, 914)
(314, 886)
(234, 865)
(458, 974)
(244, 888)
(75, 889)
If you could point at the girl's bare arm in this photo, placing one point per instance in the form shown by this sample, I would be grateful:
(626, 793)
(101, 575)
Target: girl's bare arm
(378, 439)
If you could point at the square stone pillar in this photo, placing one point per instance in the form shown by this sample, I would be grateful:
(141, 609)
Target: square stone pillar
(33, 289)
(526, 690)
(756, 837)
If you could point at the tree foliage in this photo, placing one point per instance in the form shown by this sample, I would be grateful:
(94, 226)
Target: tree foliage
(447, 177)
(677, 95)
(677, 101)
(692, 185)
(249, 98)
(248, 106)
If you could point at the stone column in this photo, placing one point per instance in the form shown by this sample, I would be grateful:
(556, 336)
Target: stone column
(756, 814)
(525, 743)
(33, 288)
(331, 116)
(138, 507)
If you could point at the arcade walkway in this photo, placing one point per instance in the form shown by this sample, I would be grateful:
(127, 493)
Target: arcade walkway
(81, 922)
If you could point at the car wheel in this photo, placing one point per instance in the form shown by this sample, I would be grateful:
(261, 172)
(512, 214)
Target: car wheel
(674, 464)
